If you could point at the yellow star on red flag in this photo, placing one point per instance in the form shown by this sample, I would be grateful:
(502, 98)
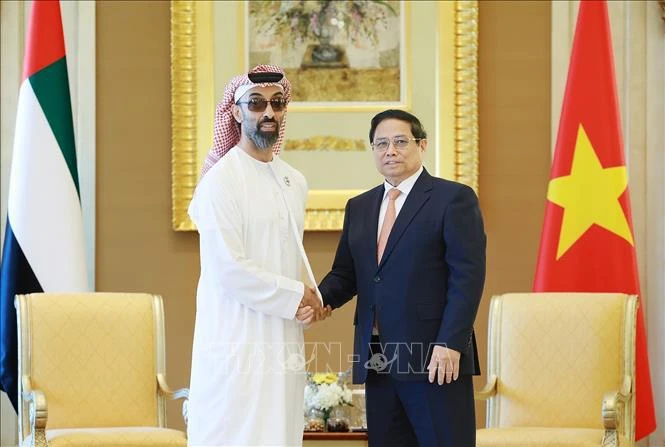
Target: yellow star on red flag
(589, 195)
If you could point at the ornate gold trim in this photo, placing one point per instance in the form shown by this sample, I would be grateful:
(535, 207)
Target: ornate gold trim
(329, 142)
(183, 112)
(466, 92)
(324, 219)
(457, 98)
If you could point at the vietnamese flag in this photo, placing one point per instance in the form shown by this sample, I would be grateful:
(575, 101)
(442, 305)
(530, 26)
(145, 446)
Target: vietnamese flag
(587, 244)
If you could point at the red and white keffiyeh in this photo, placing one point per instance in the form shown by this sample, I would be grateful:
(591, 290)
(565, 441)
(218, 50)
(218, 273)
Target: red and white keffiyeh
(227, 130)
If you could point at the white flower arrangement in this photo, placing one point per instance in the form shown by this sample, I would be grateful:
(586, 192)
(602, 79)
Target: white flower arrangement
(326, 391)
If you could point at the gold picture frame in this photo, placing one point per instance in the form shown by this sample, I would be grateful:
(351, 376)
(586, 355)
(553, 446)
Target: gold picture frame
(443, 94)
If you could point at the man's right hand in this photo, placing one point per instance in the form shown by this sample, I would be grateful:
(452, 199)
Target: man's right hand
(310, 306)
(311, 299)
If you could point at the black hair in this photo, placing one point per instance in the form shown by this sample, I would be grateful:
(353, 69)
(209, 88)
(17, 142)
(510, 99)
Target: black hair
(416, 127)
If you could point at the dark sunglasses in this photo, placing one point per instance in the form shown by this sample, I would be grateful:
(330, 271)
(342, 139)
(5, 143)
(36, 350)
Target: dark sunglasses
(261, 104)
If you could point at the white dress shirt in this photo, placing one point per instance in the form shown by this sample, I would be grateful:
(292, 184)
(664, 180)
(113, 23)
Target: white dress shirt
(405, 187)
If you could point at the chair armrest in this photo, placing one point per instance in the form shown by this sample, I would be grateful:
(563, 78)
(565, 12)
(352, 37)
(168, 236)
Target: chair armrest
(489, 390)
(38, 416)
(612, 409)
(164, 390)
(182, 393)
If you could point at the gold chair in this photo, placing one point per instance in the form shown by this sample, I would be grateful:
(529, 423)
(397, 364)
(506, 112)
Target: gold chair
(92, 371)
(561, 370)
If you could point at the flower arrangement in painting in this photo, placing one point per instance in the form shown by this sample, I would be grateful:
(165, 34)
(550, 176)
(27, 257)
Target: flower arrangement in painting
(299, 21)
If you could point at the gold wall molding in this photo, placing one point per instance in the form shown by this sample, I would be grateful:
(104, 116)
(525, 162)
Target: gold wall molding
(324, 219)
(184, 171)
(466, 93)
(326, 142)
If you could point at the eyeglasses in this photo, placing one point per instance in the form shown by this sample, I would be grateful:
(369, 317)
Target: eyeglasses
(261, 104)
(382, 144)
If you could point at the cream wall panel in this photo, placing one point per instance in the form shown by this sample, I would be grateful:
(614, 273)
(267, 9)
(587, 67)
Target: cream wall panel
(655, 206)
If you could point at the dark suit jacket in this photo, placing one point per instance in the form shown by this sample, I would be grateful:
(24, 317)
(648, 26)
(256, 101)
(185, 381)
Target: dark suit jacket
(428, 286)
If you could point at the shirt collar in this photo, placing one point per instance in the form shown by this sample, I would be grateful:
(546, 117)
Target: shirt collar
(405, 186)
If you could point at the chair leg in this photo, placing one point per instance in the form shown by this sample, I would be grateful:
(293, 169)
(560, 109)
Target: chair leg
(610, 439)
(39, 438)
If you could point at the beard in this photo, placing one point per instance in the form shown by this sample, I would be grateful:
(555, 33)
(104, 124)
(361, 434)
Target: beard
(262, 140)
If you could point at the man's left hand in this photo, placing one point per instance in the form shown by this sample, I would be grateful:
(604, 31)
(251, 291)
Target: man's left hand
(444, 365)
(305, 314)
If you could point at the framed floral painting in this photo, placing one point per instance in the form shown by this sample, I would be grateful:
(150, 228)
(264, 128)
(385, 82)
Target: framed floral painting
(347, 61)
(336, 53)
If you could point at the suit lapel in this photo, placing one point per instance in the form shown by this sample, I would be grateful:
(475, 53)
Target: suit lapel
(372, 224)
(419, 195)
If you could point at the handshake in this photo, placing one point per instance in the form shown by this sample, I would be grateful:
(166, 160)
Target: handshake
(310, 309)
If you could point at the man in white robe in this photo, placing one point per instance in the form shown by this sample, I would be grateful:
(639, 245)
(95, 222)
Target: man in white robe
(248, 378)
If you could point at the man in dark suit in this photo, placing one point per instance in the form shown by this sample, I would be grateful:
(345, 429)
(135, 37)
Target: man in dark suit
(413, 250)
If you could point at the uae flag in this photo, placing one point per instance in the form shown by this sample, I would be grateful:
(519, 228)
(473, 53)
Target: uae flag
(587, 244)
(43, 248)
